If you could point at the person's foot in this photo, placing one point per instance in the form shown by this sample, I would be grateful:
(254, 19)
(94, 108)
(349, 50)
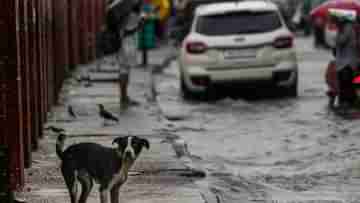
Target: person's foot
(331, 103)
(132, 102)
(128, 102)
(123, 106)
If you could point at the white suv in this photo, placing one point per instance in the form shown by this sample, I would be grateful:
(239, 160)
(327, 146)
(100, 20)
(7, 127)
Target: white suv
(244, 41)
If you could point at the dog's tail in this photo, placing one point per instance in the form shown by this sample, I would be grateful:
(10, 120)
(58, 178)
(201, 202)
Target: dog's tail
(60, 142)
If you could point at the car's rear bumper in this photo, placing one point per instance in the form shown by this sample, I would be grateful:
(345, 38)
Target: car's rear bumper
(198, 78)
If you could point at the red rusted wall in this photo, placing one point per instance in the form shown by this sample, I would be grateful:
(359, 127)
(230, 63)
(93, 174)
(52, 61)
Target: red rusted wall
(40, 40)
(10, 67)
(33, 66)
(61, 41)
(83, 34)
(92, 29)
(51, 76)
(25, 80)
(74, 52)
(45, 59)
(39, 70)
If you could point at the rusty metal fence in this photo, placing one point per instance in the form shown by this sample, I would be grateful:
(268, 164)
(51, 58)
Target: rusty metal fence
(4, 175)
(41, 41)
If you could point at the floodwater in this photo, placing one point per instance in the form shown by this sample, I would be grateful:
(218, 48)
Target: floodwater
(270, 149)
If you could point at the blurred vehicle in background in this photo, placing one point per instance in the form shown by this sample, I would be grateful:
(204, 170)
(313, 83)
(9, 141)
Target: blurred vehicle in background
(301, 18)
(320, 17)
(223, 47)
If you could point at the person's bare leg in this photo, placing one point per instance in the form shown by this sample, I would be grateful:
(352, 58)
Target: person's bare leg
(123, 80)
(124, 97)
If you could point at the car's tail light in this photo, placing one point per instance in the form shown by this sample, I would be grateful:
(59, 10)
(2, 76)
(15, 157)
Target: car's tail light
(196, 47)
(283, 42)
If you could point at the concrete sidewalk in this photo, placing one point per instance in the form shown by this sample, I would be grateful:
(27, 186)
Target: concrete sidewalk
(157, 176)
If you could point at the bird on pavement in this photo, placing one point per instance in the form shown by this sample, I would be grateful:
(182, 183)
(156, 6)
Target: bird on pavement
(86, 77)
(55, 129)
(106, 115)
(85, 80)
(71, 111)
(88, 83)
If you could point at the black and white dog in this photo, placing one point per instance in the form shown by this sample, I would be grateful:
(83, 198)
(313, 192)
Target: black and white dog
(109, 167)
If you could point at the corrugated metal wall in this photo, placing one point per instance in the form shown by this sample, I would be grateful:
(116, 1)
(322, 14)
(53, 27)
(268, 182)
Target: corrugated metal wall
(10, 67)
(41, 41)
(25, 84)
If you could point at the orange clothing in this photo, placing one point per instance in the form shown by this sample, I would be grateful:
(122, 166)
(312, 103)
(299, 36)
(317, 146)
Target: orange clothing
(163, 7)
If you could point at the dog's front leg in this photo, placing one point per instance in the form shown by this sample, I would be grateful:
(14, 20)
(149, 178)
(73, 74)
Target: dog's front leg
(104, 193)
(114, 193)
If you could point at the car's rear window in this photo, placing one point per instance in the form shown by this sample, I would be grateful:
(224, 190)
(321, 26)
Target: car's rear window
(238, 23)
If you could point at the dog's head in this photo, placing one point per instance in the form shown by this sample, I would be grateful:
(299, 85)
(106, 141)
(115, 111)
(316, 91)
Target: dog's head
(129, 147)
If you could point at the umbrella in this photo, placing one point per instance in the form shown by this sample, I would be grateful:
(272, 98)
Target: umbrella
(119, 10)
(322, 11)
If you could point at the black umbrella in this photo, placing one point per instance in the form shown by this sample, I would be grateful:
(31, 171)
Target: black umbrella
(118, 16)
(118, 12)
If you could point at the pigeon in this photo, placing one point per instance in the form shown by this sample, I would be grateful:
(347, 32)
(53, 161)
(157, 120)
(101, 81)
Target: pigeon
(106, 115)
(179, 145)
(82, 78)
(55, 129)
(71, 111)
(86, 78)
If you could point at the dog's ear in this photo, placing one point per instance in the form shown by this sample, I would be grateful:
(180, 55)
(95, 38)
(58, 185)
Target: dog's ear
(145, 143)
(117, 140)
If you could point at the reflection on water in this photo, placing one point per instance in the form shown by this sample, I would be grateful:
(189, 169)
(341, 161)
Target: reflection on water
(272, 148)
(262, 150)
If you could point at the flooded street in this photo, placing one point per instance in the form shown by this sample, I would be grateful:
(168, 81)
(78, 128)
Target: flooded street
(276, 149)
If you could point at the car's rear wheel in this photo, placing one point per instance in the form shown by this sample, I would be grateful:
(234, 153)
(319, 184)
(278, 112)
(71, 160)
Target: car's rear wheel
(292, 91)
(186, 93)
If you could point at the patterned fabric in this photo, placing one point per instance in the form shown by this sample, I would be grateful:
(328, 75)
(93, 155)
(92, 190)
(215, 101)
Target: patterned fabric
(127, 55)
(130, 50)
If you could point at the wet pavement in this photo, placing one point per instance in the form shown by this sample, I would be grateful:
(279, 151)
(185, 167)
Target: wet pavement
(269, 148)
(157, 176)
(237, 148)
